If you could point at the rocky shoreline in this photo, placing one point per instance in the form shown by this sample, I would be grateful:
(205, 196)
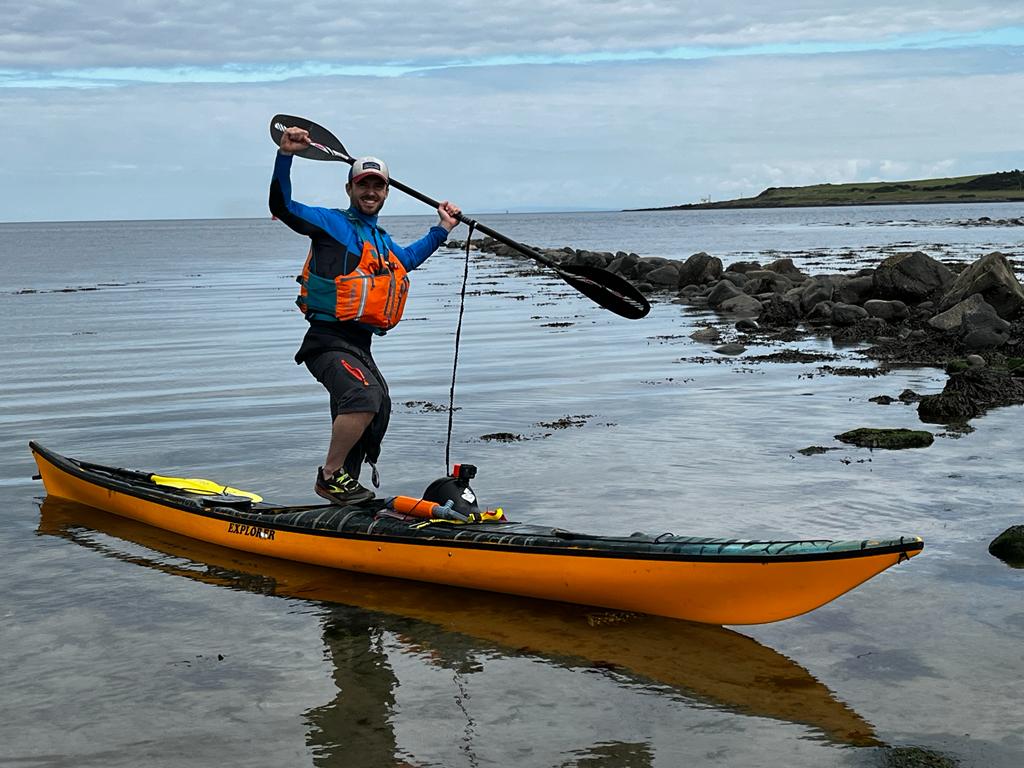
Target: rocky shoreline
(912, 310)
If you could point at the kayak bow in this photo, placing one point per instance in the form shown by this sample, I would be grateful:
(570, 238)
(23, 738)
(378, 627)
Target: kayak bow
(716, 581)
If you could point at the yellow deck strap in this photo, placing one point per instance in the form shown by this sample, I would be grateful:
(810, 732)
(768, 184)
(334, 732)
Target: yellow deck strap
(200, 486)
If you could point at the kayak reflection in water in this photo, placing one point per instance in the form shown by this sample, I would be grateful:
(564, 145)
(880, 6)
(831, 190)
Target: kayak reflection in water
(375, 628)
(353, 286)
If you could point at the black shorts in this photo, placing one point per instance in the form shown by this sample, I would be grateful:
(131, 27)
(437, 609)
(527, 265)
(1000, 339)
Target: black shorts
(355, 386)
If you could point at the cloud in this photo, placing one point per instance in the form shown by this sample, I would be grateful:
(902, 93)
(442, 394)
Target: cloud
(143, 109)
(136, 38)
(612, 135)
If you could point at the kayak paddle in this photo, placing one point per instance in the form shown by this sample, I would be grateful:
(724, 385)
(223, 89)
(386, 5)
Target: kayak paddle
(200, 486)
(195, 485)
(605, 288)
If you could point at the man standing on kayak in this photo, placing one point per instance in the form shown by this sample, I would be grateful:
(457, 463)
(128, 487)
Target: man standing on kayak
(354, 286)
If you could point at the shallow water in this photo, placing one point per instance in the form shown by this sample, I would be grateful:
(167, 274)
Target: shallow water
(174, 352)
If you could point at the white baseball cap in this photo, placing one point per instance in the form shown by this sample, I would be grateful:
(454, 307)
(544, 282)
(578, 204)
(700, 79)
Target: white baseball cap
(366, 166)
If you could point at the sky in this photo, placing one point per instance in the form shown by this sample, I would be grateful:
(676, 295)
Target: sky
(139, 109)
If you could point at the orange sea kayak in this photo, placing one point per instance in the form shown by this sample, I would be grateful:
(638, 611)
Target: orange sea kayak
(716, 581)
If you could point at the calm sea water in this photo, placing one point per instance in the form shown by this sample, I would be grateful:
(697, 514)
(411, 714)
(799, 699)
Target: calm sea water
(167, 345)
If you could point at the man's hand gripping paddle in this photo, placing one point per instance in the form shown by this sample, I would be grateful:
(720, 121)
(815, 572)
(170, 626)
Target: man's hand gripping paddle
(605, 288)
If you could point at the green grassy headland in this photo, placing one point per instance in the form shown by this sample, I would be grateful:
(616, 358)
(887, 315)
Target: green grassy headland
(1004, 186)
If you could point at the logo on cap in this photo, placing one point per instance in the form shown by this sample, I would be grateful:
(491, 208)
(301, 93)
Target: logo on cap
(365, 165)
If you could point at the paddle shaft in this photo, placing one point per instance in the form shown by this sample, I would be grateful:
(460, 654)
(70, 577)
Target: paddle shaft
(526, 251)
(415, 193)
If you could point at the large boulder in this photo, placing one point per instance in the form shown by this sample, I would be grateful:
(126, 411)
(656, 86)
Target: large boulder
(722, 291)
(584, 258)
(847, 314)
(813, 292)
(787, 268)
(780, 311)
(911, 277)
(744, 305)
(736, 278)
(665, 276)
(625, 265)
(993, 278)
(701, 268)
(854, 290)
(820, 314)
(766, 281)
(830, 287)
(500, 249)
(650, 263)
(975, 322)
(1008, 546)
(744, 266)
(890, 311)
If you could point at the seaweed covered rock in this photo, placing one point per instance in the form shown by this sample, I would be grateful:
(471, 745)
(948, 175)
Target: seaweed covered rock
(902, 345)
(1008, 546)
(889, 439)
(970, 393)
(707, 335)
(780, 312)
(915, 757)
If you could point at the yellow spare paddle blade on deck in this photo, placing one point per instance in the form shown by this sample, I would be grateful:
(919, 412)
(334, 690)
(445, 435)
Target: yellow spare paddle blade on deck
(198, 485)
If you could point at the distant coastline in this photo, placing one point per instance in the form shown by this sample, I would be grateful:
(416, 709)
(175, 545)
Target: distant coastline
(999, 187)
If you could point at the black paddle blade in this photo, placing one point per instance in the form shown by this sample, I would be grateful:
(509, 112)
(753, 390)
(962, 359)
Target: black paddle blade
(611, 291)
(317, 134)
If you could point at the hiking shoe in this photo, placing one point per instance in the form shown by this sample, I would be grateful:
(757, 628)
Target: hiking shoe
(341, 488)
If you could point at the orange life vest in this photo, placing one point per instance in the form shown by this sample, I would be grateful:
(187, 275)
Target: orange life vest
(373, 293)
